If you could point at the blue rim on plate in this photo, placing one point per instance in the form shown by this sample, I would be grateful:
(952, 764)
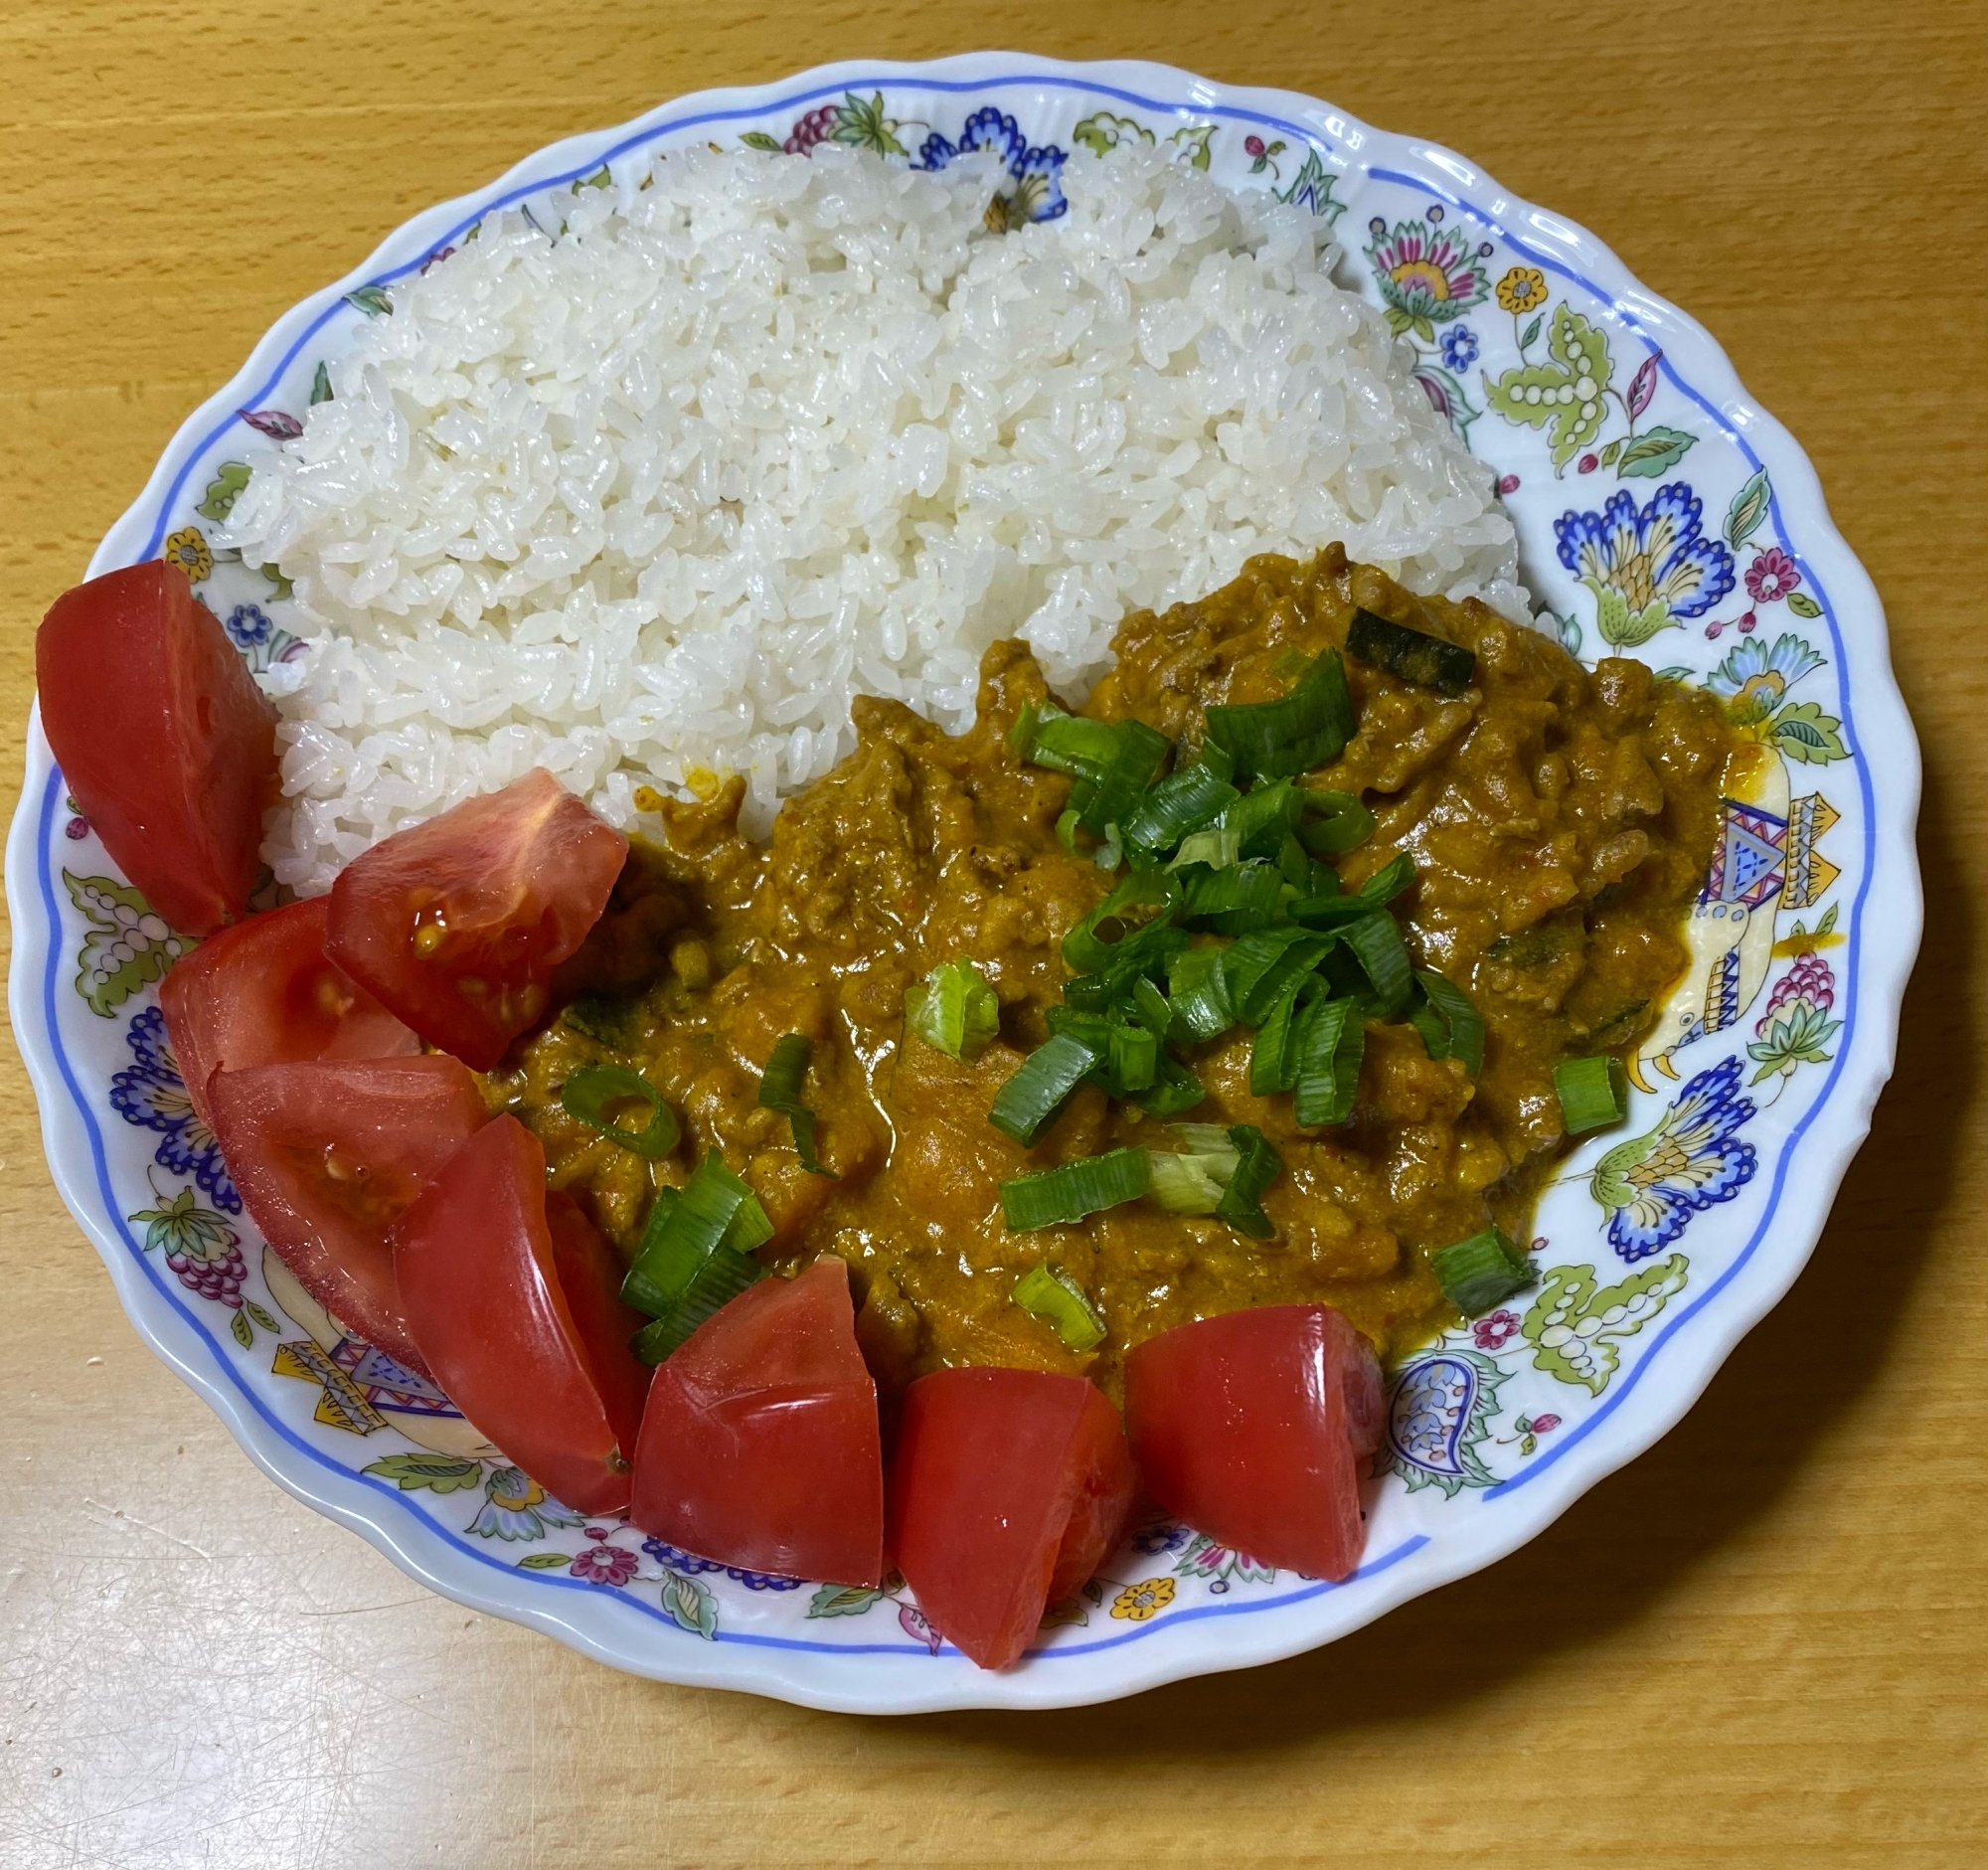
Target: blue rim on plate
(1492, 1431)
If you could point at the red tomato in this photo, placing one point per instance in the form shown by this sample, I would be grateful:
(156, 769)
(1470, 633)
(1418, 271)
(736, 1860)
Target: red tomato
(760, 1445)
(263, 993)
(327, 1155)
(590, 1278)
(1008, 1489)
(1240, 1426)
(479, 1277)
(457, 923)
(164, 740)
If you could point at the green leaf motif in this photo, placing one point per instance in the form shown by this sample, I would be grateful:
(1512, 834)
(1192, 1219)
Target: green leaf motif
(440, 1474)
(1312, 188)
(758, 139)
(1655, 451)
(128, 946)
(241, 1330)
(1803, 732)
(843, 1600)
(544, 1561)
(1575, 1326)
(223, 490)
(1802, 604)
(602, 177)
(1619, 625)
(321, 385)
(1532, 332)
(372, 301)
(181, 1226)
(1567, 394)
(1192, 140)
(865, 126)
(1610, 453)
(260, 1316)
(1798, 1036)
(1748, 509)
(690, 1606)
(1101, 131)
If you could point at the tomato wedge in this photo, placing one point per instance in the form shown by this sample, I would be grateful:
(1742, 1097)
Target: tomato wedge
(590, 1276)
(760, 1445)
(457, 923)
(327, 1154)
(1241, 1427)
(164, 740)
(479, 1277)
(263, 993)
(1008, 1490)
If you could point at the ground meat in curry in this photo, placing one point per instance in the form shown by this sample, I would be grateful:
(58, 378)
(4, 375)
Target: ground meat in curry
(1560, 821)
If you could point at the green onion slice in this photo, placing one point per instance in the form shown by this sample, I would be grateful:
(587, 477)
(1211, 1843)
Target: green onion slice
(1218, 847)
(1133, 766)
(1329, 1046)
(1334, 822)
(1376, 942)
(954, 1009)
(1045, 735)
(1190, 1180)
(1056, 1197)
(1278, 739)
(1250, 957)
(1593, 1093)
(1257, 1167)
(781, 1089)
(1271, 1057)
(1053, 1295)
(1028, 1103)
(716, 1283)
(593, 1092)
(1263, 815)
(1452, 1028)
(1414, 655)
(1199, 993)
(1481, 1272)
(1388, 881)
(686, 1226)
(1085, 951)
(1174, 1089)
(1285, 975)
(1185, 801)
(1232, 901)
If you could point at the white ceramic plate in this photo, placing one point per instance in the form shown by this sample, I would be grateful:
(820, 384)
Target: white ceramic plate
(1654, 504)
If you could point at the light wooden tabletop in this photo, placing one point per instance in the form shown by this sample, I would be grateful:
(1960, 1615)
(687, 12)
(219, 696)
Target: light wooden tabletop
(1761, 1645)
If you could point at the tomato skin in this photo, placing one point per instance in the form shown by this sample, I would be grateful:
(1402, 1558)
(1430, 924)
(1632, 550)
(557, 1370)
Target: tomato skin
(263, 993)
(457, 925)
(590, 1276)
(1240, 1426)
(327, 1154)
(760, 1447)
(479, 1281)
(1008, 1489)
(164, 740)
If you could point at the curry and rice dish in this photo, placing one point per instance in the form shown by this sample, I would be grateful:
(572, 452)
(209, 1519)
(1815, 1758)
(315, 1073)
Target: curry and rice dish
(1558, 823)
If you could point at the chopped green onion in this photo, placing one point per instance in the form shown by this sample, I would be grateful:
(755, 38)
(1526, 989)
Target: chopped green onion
(686, 1226)
(1053, 1295)
(1263, 815)
(1306, 729)
(1191, 1180)
(1389, 880)
(1174, 1089)
(1150, 1006)
(1376, 942)
(1329, 1046)
(590, 1094)
(1257, 1167)
(1287, 973)
(1056, 1197)
(716, 1283)
(1045, 735)
(1414, 655)
(1086, 952)
(1593, 1093)
(1249, 958)
(781, 1089)
(1185, 801)
(1234, 901)
(1065, 830)
(1133, 1059)
(1452, 1028)
(1134, 765)
(1334, 822)
(1111, 853)
(954, 1009)
(1028, 1103)
(1217, 758)
(1481, 1273)
(1271, 1059)
(1199, 993)
(1219, 848)
(1204, 1140)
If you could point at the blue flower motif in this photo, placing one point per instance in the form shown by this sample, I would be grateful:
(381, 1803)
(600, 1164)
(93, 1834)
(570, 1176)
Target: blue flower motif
(1652, 1185)
(1160, 1538)
(515, 1506)
(1460, 347)
(675, 1558)
(248, 625)
(1655, 560)
(1753, 661)
(152, 1094)
(1037, 174)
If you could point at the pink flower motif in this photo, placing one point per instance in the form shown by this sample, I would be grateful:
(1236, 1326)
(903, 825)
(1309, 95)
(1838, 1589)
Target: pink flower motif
(1771, 577)
(1508, 483)
(1588, 464)
(1711, 630)
(604, 1565)
(1747, 624)
(1545, 1424)
(1496, 1331)
(1253, 144)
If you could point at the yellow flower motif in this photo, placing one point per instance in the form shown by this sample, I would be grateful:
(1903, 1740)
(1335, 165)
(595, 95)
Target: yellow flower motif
(1522, 288)
(1143, 1599)
(188, 550)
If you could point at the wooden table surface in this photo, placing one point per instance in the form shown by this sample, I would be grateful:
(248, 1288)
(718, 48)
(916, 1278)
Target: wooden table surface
(1761, 1645)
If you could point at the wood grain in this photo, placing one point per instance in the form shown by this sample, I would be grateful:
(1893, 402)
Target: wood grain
(1761, 1645)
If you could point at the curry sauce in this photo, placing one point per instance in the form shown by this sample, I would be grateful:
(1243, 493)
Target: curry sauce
(1560, 822)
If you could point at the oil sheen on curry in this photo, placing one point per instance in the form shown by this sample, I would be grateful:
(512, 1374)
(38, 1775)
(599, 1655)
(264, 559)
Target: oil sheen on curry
(1558, 823)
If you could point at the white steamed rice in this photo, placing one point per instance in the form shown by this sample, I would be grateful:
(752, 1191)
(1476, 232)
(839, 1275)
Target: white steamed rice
(655, 500)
